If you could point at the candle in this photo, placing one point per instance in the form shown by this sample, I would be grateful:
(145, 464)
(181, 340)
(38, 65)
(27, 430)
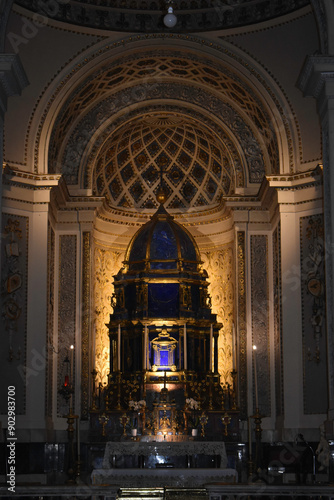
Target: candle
(211, 346)
(185, 363)
(249, 437)
(71, 374)
(71, 363)
(119, 348)
(78, 436)
(145, 348)
(255, 379)
(234, 361)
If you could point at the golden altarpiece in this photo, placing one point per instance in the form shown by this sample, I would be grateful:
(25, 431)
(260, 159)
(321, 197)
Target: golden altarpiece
(163, 382)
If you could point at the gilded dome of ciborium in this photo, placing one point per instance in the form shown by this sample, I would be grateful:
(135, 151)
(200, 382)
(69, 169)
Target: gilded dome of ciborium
(162, 244)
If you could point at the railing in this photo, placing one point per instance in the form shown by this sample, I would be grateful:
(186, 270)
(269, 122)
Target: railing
(210, 492)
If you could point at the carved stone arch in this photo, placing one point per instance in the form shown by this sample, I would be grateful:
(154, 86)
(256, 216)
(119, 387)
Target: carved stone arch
(324, 13)
(78, 143)
(264, 110)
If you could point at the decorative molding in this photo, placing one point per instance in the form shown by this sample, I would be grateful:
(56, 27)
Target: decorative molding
(313, 295)
(107, 263)
(278, 337)
(317, 69)
(219, 264)
(99, 115)
(12, 78)
(67, 270)
(145, 17)
(14, 273)
(260, 319)
(242, 323)
(86, 341)
(156, 37)
(49, 389)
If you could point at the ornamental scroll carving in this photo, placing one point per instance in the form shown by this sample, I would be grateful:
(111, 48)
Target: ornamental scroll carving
(313, 295)
(107, 263)
(260, 318)
(84, 130)
(14, 272)
(67, 272)
(219, 266)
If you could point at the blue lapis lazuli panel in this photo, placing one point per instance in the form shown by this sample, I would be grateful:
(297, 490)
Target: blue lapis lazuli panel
(138, 250)
(188, 251)
(164, 265)
(163, 242)
(163, 358)
(163, 300)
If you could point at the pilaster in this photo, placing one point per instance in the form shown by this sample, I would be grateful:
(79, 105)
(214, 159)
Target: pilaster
(300, 205)
(25, 218)
(12, 81)
(317, 80)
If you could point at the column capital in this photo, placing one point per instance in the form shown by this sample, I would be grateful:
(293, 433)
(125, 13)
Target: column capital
(317, 70)
(13, 78)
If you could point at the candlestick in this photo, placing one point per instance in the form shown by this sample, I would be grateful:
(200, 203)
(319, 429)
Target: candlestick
(249, 437)
(71, 365)
(71, 374)
(234, 361)
(78, 437)
(255, 379)
(145, 348)
(119, 348)
(211, 345)
(185, 361)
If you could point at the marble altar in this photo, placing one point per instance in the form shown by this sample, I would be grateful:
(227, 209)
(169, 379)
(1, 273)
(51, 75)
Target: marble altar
(160, 472)
(146, 478)
(165, 449)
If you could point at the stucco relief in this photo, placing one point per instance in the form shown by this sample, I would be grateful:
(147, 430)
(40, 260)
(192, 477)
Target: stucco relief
(260, 319)
(100, 113)
(107, 263)
(67, 271)
(219, 266)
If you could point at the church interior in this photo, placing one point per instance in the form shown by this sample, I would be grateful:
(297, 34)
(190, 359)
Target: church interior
(166, 252)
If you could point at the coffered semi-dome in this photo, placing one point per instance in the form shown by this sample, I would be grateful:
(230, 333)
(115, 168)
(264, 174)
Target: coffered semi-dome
(162, 244)
(196, 165)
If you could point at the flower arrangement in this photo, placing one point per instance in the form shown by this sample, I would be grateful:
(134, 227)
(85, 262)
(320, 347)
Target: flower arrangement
(137, 405)
(194, 406)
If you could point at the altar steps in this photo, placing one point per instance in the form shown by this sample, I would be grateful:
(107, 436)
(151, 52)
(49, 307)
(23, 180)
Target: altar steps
(162, 494)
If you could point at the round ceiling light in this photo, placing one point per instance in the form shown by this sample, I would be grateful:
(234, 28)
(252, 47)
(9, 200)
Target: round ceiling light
(170, 19)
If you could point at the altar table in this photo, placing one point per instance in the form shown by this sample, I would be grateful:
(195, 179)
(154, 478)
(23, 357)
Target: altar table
(164, 449)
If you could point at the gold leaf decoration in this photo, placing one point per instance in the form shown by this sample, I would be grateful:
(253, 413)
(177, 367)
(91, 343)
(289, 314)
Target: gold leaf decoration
(107, 263)
(219, 266)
